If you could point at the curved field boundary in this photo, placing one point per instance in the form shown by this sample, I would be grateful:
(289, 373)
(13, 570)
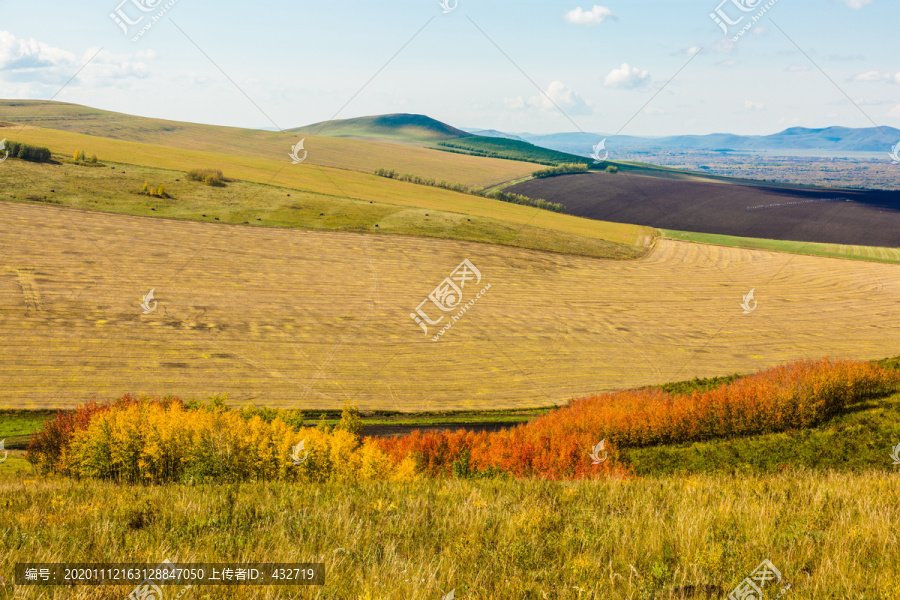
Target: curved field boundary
(331, 181)
(308, 319)
(869, 253)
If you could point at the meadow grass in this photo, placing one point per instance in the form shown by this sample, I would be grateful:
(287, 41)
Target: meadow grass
(832, 535)
(336, 183)
(112, 190)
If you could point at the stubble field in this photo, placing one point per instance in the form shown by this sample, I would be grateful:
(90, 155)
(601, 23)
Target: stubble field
(302, 318)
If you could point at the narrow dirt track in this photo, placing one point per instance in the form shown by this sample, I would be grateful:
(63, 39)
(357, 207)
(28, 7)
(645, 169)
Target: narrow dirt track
(308, 319)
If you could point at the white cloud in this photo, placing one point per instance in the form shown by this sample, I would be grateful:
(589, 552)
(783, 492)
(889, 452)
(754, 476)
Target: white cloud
(34, 62)
(557, 96)
(751, 105)
(726, 63)
(31, 60)
(564, 97)
(895, 112)
(693, 50)
(857, 3)
(878, 76)
(595, 16)
(626, 77)
(514, 103)
(799, 68)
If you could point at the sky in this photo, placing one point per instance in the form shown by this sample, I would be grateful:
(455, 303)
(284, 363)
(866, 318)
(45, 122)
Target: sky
(633, 67)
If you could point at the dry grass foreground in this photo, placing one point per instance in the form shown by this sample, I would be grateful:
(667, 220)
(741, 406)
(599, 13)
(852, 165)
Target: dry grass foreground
(832, 536)
(308, 319)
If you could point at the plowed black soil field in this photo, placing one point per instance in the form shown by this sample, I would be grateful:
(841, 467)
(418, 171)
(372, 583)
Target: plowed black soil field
(728, 207)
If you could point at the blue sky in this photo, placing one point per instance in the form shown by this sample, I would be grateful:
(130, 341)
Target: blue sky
(479, 65)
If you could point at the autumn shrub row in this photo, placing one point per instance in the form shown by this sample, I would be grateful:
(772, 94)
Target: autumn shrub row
(159, 440)
(558, 445)
(164, 439)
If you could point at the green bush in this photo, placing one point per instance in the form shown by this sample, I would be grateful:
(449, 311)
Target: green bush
(27, 151)
(563, 169)
(211, 177)
(612, 169)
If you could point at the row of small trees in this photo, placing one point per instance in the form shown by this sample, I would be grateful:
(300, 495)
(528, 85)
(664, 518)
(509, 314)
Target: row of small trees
(27, 151)
(392, 174)
(563, 169)
(79, 157)
(464, 189)
(157, 192)
(526, 201)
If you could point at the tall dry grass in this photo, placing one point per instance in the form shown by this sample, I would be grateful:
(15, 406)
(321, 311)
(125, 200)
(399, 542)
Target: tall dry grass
(831, 535)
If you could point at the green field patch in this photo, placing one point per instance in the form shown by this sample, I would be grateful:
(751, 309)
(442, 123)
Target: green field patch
(116, 189)
(867, 253)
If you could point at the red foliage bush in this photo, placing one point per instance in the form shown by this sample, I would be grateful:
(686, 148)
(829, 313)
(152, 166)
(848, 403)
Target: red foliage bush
(48, 446)
(557, 445)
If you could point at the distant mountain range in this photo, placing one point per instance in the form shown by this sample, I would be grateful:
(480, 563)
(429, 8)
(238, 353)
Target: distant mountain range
(829, 139)
(421, 128)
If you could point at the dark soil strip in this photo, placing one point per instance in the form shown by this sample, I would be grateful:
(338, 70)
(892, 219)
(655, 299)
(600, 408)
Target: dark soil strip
(390, 430)
(870, 218)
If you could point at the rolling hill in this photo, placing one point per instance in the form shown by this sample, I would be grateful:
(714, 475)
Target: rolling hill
(339, 153)
(400, 127)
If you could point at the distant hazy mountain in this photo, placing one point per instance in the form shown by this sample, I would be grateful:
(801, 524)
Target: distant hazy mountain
(836, 139)
(493, 133)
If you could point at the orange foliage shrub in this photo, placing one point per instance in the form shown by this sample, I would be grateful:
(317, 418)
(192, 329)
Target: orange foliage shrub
(159, 440)
(557, 445)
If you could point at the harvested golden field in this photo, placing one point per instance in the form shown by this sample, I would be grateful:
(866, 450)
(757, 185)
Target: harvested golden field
(327, 181)
(305, 318)
(350, 154)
